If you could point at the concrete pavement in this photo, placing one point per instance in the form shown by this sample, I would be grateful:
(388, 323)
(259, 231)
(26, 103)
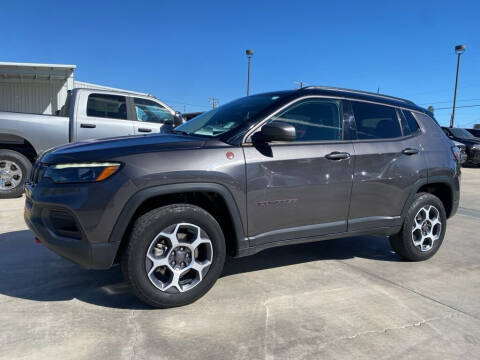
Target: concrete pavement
(339, 299)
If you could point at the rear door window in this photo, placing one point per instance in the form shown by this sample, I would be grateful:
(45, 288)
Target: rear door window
(376, 121)
(107, 106)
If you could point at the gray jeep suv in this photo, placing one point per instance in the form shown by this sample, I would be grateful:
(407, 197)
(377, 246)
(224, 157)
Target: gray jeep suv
(266, 170)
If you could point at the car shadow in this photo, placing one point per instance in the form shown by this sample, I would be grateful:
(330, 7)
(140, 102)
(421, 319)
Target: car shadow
(32, 272)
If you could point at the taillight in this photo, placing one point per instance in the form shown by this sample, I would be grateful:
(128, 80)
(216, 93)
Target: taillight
(456, 153)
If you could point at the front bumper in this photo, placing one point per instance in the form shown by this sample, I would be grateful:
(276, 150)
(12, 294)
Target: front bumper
(72, 245)
(76, 220)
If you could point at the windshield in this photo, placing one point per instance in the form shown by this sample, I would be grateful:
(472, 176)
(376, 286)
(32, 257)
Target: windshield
(461, 133)
(229, 116)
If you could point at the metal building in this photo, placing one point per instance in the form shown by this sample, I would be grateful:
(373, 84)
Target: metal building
(39, 88)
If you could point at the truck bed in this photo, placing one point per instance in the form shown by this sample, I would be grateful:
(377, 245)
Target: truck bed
(41, 131)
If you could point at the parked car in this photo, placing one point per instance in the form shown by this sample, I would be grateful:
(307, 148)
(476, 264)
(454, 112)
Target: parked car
(89, 114)
(472, 143)
(266, 170)
(463, 151)
(474, 132)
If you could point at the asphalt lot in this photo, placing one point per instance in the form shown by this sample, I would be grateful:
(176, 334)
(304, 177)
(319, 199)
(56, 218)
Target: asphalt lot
(347, 299)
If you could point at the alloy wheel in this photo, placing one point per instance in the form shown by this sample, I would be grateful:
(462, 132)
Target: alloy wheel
(427, 228)
(10, 175)
(178, 258)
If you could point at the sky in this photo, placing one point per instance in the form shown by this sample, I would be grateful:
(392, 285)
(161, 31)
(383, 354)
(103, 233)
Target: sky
(185, 52)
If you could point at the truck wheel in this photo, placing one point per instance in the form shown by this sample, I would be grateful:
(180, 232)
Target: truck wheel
(15, 168)
(174, 255)
(423, 229)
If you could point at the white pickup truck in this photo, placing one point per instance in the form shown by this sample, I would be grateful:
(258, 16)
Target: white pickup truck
(88, 114)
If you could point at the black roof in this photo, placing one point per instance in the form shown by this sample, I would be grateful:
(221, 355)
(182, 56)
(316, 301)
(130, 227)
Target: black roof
(361, 95)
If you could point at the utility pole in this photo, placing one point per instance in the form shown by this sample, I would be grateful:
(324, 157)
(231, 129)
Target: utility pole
(378, 90)
(459, 50)
(213, 102)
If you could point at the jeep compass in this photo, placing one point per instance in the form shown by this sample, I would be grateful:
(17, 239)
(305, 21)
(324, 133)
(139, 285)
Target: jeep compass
(266, 170)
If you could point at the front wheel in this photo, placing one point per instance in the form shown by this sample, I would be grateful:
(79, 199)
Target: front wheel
(423, 229)
(174, 256)
(15, 168)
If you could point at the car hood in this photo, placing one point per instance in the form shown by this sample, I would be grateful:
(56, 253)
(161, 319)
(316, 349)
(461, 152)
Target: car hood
(111, 148)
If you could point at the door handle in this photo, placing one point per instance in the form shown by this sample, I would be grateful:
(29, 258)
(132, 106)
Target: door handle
(144, 130)
(88, 126)
(409, 151)
(338, 155)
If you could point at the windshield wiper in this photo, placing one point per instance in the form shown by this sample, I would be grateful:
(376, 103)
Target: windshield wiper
(180, 132)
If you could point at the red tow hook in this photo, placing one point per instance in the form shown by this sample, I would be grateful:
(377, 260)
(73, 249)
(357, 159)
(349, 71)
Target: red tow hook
(37, 240)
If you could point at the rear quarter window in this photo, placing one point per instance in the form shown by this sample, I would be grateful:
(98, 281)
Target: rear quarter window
(411, 121)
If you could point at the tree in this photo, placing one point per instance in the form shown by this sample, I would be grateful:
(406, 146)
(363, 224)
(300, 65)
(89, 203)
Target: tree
(430, 108)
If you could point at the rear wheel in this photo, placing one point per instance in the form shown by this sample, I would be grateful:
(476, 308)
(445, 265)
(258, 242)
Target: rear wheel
(423, 229)
(15, 168)
(174, 255)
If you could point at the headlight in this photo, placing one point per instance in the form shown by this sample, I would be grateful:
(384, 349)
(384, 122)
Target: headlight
(81, 172)
(476, 147)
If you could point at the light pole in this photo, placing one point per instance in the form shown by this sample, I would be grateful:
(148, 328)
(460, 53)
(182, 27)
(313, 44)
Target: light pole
(249, 54)
(459, 50)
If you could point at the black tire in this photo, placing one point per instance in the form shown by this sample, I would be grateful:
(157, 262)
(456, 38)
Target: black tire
(402, 243)
(146, 229)
(26, 167)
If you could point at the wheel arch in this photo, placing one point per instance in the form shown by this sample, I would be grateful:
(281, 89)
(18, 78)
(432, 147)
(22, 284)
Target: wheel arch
(18, 144)
(441, 186)
(204, 195)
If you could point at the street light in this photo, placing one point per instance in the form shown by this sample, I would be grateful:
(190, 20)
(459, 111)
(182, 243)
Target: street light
(459, 50)
(249, 54)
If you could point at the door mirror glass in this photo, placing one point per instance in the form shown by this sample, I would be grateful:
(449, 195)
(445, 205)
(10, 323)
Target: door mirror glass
(276, 131)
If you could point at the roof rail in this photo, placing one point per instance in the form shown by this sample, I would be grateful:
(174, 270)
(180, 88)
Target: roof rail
(332, 88)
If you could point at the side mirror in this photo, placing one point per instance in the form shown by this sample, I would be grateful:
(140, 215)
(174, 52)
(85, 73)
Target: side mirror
(178, 119)
(276, 131)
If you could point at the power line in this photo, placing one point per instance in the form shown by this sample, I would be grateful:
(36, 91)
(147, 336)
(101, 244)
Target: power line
(446, 102)
(457, 107)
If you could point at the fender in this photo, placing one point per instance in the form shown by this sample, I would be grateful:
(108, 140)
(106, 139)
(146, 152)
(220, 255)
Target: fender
(11, 139)
(241, 242)
(16, 139)
(447, 180)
